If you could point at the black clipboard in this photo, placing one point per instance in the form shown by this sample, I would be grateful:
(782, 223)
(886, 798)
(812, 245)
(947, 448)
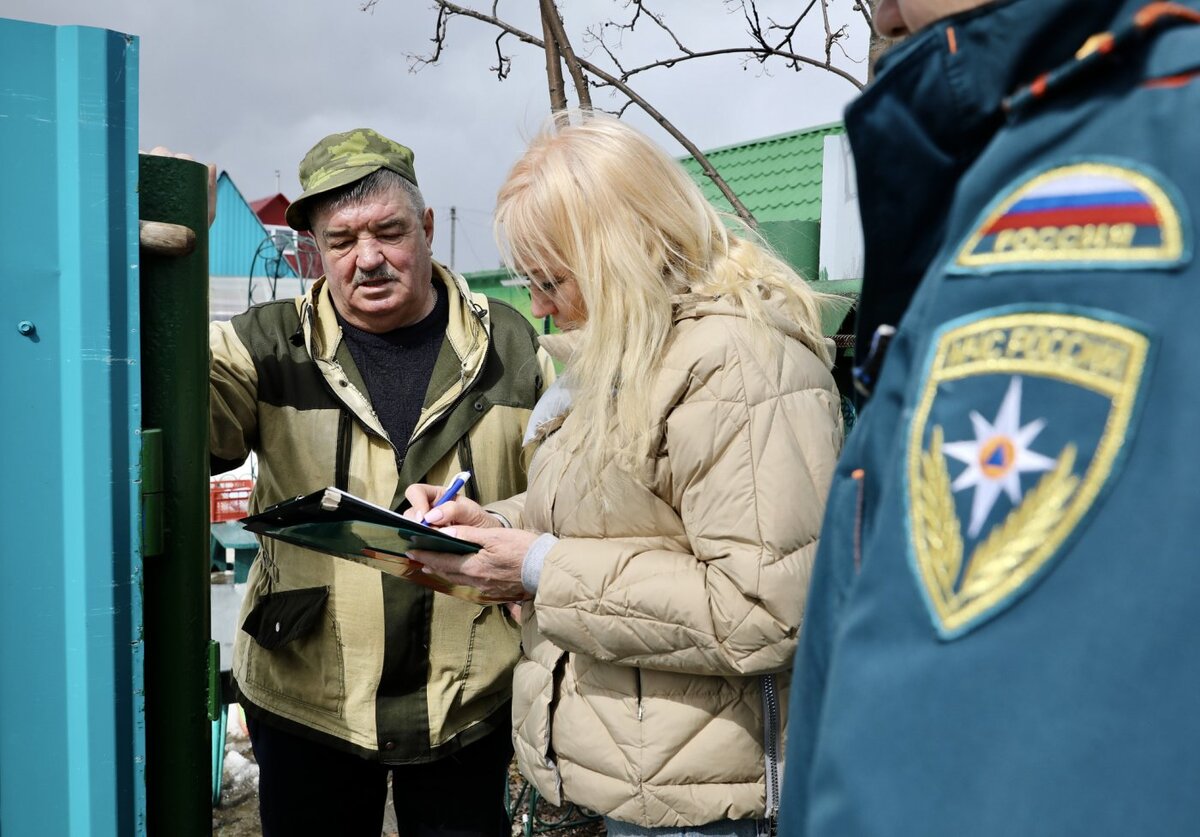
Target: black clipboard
(337, 523)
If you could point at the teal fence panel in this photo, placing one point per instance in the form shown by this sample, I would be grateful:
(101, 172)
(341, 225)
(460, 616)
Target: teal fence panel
(71, 737)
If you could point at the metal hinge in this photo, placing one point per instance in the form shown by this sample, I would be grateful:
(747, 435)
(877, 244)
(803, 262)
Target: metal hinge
(215, 699)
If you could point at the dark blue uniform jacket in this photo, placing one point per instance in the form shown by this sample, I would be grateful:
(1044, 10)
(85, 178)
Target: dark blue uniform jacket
(1001, 636)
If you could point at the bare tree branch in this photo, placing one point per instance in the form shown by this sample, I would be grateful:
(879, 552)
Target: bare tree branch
(784, 47)
(758, 53)
(765, 49)
(551, 16)
(670, 128)
(864, 6)
(448, 10)
(503, 62)
(554, 76)
(829, 36)
(519, 34)
(658, 20)
(769, 40)
(789, 29)
(751, 15)
(612, 56)
(755, 30)
(416, 62)
(626, 90)
(879, 44)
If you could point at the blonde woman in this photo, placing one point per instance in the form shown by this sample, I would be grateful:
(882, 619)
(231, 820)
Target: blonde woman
(676, 488)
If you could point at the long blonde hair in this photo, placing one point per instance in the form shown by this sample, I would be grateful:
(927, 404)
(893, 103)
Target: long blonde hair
(601, 204)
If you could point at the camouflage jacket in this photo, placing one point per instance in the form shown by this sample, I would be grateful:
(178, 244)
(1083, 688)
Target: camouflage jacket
(375, 665)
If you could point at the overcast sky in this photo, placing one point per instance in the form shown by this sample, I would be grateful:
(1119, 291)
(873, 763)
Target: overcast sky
(252, 84)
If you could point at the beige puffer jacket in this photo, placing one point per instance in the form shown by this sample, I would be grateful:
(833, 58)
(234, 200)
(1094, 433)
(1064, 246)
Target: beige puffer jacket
(657, 650)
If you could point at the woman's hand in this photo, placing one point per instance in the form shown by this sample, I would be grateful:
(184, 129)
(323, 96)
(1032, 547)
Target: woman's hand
(460, 511)
(495, 569)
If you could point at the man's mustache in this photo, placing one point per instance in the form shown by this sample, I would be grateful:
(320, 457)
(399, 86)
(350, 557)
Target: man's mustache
(382, 272)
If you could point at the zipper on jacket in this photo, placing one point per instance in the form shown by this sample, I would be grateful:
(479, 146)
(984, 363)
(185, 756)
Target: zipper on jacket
(341, 473)
(770, 700)
(466, 462)
(464, 390)
(637, 675)
(449, 409)
(479, 332)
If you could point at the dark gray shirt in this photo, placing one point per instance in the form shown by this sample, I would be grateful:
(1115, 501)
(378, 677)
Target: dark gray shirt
(396, 367)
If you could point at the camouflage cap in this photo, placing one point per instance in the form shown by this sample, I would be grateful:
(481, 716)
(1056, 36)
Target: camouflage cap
(339, 160)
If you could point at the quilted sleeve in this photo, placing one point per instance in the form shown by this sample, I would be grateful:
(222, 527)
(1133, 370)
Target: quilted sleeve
(233, 387)
(751, 460)
(510, 510)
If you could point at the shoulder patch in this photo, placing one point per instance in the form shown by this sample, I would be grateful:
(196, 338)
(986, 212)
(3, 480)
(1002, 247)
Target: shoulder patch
(1021, 422)
(1092, 214)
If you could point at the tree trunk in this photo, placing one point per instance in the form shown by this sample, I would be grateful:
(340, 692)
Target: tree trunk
(878, 46)
(551, 16)
(554, 76)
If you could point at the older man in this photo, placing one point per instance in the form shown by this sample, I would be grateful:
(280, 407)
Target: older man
(1001, 629)
(388, 371)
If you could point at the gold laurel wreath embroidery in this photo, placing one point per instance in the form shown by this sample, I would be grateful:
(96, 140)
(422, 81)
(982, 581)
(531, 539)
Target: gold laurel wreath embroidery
(935, 517)
(1007, 546)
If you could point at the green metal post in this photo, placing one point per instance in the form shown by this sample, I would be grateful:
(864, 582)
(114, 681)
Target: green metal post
(174, 303)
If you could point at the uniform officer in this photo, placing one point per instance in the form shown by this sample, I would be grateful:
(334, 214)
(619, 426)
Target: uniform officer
(1000, 632)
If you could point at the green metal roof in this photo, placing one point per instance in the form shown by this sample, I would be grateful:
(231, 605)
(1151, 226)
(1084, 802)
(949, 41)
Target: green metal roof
(777, 178)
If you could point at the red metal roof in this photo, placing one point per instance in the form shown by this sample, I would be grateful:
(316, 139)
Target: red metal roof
(270, 210)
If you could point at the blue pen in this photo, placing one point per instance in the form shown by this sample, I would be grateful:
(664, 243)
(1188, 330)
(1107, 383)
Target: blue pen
(460, 479)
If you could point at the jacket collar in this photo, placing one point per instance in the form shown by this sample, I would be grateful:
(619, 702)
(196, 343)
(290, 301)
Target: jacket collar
(467, 329)
(560, 345)
(934, 106)
(692, 306)
(467, 334)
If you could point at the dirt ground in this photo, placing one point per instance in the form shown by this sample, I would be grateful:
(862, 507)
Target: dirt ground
(237, 813)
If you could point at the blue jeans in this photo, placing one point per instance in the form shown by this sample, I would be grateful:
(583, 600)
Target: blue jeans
(720, 828)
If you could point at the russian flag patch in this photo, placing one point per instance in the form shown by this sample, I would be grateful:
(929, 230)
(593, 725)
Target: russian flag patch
(1085, 215)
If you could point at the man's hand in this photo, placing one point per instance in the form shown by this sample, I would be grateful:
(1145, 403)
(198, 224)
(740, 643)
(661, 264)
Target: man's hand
(495, 569)
(163, 151)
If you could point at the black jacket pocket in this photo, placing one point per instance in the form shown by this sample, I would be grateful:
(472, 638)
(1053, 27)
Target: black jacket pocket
(282, 617)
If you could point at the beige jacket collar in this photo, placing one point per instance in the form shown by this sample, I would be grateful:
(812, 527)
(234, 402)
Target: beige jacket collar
(467, 333)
